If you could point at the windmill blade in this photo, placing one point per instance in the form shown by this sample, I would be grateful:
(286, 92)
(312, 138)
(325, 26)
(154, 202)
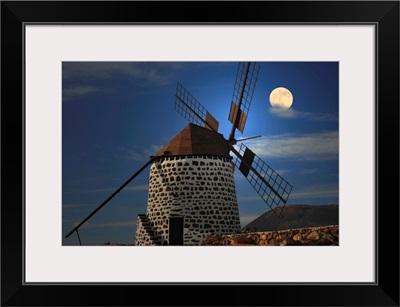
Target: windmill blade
(272, 188)
(245, 84)
(75, 229)
(192, 110)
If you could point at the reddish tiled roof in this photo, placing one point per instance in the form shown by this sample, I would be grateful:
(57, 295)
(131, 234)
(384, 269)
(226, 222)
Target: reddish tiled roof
(196, 140)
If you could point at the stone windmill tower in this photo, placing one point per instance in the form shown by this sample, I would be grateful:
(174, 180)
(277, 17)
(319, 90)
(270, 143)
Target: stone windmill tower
(191, 191)
(191, 184)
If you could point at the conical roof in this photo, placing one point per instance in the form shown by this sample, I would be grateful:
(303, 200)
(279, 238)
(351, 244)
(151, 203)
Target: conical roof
(196, 140)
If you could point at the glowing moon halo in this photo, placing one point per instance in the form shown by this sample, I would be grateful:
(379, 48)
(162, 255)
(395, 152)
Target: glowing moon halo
(281, 98)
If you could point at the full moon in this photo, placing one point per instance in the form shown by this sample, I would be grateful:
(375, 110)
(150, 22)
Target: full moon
(281, 98)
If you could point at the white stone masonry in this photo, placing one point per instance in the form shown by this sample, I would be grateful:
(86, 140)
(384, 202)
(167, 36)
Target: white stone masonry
(201, 189)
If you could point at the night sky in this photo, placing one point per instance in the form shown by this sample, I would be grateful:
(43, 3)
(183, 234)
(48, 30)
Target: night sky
(115, 115)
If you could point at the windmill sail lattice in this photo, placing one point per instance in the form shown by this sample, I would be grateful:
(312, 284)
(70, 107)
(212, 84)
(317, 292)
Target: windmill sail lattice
(245, 84)
(188, 106)
(271, 187)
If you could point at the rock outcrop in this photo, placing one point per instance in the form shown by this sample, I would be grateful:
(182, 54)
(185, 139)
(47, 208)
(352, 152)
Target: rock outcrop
(327, 235)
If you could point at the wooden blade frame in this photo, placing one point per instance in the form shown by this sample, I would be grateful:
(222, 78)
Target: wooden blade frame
(243, 91)
(272, 188)
(188, 106)
(233, 113)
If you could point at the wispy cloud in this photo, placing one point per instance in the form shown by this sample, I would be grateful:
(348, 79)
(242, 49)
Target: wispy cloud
(316, 146)
(317, 191)
(282, 171)
(79, 77)
(308, 171)
(294, 114)
(142, 155)
(79, 90)
(130, 223)
(142, 187)
(75, 206)
(312, 191)
(153, 149)
(160, 73)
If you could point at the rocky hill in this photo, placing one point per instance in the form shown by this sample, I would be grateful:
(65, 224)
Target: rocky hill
(296, 216)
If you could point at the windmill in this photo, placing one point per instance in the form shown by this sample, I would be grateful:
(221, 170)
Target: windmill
(191, 184)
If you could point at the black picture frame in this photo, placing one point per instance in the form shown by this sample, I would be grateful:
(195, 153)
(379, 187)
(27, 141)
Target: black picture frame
(383, 14)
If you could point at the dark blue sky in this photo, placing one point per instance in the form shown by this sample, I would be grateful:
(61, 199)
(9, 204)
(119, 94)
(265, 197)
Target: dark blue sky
(115, 115)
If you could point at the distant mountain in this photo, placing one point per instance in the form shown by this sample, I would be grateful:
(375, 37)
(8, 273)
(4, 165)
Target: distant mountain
(297, 216)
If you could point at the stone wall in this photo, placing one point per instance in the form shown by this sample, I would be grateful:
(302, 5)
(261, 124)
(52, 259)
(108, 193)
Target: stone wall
(199, 188)
(326, 235)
